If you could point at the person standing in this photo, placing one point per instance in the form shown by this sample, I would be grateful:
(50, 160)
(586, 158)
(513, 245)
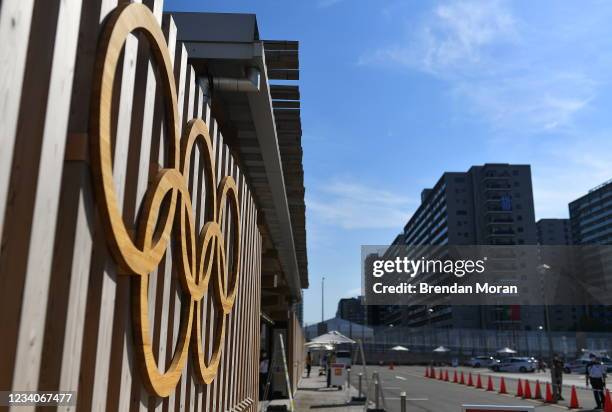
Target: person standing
(264, 366)
(596, 376)
(308, 364)
(557, 377)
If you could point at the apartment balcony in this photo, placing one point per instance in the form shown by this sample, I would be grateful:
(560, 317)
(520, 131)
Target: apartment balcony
(498, 209)
(501, 220)
(503, 176)
(497, 186)
(501, 232)
(501, 241)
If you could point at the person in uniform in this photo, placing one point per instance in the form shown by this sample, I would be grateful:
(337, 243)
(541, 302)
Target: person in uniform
(596, 376)
(308, 364)
(264, 366)
(557, 377)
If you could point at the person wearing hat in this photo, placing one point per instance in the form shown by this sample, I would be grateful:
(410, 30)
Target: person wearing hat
(596, 376)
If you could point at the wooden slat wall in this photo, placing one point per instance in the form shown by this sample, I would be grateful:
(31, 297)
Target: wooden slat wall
(65, 311)
(296, 352)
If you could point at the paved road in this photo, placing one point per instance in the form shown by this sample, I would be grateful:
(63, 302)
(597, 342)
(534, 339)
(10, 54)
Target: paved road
(432, 395)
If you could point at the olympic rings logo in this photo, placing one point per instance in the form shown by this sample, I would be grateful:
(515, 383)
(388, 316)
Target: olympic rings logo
(202, 261)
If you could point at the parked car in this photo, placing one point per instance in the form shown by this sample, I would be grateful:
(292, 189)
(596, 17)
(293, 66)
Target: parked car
(514, 364)
(579, 365)
(482, 361)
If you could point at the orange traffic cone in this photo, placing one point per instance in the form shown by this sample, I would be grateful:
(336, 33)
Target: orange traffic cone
(427, 372)
(479, 382)
(574, 399)
(391, 366)
(538, 392)
(502, 386)
(440, 375)
(549, 397)
(527, 390)
(446, 375)
(455, 380)
(607, 402)
(519, 389)
(490, 385)
(470, 381)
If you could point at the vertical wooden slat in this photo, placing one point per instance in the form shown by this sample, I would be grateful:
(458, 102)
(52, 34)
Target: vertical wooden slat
(180, 72)
(15, 20)
(126, 181)
(35, 180)
(60, 367)
(162, 319)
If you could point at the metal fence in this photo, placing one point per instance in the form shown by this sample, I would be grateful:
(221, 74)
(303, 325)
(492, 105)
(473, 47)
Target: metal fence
(470, 342)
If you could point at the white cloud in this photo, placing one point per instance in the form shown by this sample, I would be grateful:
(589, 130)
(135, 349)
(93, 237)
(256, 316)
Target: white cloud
(570, 173)
(462, 29)
(535, 102)
(500, 68)
(452, 36)
(351, 293)
(352, 205)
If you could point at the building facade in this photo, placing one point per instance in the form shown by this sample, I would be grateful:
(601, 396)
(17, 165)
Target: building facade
(557, 232)
(554, 232)
(591, 224)
(591, 216)
(487, 205)
(151, 205)
(352, 310)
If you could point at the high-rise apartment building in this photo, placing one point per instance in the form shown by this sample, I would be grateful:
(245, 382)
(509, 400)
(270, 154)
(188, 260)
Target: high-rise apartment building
(591, 224)
(487, 205)
(554, 232)
(591, 216)
(352, 309)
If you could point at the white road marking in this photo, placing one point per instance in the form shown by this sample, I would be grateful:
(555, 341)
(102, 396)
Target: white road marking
(401, 378)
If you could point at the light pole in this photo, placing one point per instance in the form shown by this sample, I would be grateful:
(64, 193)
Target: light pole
(544, 269)
(322, 299)
(430, 312)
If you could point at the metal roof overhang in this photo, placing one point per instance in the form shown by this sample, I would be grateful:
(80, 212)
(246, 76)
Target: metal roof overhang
(228, 45)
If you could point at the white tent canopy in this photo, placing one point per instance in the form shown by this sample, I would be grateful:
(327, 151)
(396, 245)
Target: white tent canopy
(506, 350)
(441, 349)
(331, 338)
(322, 346)
(400, 348)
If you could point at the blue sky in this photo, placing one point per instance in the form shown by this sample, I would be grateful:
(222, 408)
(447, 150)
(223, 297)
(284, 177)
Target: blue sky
(394, 93)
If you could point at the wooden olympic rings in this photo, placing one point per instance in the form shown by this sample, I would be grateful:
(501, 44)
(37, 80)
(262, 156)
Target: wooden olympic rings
(202, 262)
